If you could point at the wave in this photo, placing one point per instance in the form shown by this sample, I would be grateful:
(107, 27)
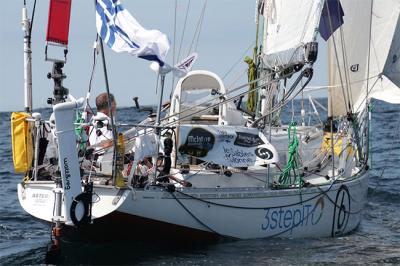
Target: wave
(23, 254)
(378, 194)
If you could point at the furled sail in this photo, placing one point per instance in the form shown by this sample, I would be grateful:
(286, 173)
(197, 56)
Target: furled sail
(357, 54)
(289, 26)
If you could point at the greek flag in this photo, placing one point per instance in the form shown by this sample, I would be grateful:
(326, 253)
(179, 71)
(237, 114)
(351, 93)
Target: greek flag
(122, 33)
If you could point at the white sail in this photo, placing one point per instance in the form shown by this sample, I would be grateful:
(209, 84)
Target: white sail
(392, 65)
(289, 25)
(357, 55)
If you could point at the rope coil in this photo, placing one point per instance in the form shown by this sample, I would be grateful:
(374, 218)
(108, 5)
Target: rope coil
(293, 160)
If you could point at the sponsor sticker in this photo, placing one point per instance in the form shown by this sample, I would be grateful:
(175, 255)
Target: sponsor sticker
(247, 140)
(198, 142)
(264, 153)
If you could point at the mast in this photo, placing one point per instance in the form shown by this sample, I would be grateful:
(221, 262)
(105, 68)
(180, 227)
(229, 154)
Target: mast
(26, 27)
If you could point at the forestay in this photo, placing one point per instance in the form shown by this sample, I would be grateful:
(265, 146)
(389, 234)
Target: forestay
(226, 145)
(289, 25)
(357, 54)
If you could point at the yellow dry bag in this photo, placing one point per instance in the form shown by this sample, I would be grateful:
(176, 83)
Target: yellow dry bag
(22, 146)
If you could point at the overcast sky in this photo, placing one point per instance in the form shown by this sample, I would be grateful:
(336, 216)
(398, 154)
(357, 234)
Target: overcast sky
(227, 31)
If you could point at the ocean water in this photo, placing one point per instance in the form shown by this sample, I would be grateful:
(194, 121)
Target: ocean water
(24, 240)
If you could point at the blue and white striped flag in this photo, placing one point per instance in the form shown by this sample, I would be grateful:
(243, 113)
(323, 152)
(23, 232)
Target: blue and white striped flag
(122, 33)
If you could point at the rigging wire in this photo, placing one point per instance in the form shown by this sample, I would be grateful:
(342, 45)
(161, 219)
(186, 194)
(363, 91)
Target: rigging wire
(198, 27)
(277, 234)
(114, 129)
(322, 192)
(345, 68)
(305, 218)
(336, 56)
(174, 45)
(345, 63)
(295, 51)
(367, 94)
(365, 100)
(240, 75)
(238, 61)
(191, 214)
(223, 101)
(95, 55)
(286, 98)
(217, 104)
(369, 47)
(283, 102)
(33, 17)
(157, 81)
(183, 30)
(201, 19)
(316, 88)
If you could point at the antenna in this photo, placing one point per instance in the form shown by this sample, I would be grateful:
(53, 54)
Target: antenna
(26, 27)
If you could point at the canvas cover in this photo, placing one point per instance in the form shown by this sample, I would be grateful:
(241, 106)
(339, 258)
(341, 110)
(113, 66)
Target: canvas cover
(22, 146)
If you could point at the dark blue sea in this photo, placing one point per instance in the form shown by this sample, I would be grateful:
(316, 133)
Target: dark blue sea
(24, 240)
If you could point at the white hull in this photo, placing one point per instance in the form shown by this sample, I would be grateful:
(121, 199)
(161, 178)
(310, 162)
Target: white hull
(257, 212)
(37, 198)
(260, 215)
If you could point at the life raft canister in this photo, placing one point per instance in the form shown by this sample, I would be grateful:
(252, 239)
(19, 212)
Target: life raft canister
(22, 145)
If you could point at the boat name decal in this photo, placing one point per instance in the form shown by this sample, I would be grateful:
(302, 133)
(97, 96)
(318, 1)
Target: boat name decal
(287, 218)
(247, 140)
(40, 199)
(40, 196)
(67, 174)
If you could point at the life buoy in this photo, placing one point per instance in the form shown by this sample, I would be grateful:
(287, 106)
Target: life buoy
(86, 201)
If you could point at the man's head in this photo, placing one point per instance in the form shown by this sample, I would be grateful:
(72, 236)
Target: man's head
(102, 103)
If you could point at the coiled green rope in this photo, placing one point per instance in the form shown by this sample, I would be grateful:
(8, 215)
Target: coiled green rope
(292, 165)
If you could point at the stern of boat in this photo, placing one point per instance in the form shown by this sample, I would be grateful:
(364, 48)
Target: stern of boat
(38, 199)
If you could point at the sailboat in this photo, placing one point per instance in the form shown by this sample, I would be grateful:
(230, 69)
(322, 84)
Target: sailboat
(214, 167)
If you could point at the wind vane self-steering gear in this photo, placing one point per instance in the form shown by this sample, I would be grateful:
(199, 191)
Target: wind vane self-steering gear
(60, 92)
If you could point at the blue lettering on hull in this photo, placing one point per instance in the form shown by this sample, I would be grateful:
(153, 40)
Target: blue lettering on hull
(286, 218)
